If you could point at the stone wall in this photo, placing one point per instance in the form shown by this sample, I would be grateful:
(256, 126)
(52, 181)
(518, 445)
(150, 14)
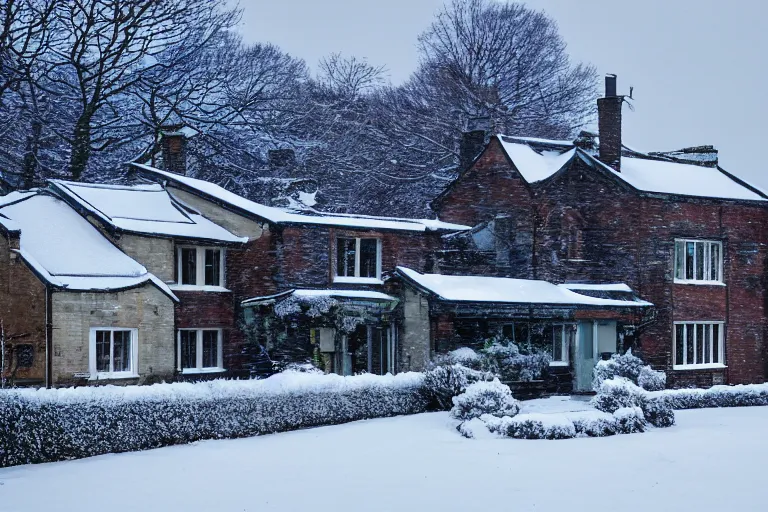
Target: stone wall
(145, 308)
(156, 254)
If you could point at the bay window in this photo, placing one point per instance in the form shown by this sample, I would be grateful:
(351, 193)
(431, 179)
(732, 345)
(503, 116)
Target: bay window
(200, 266)
(358, 260)
(113, 353)
(699, 345)
(200, 350)
(698, 261)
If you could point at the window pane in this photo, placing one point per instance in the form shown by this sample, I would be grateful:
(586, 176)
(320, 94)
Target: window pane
(557, 343)
(210, 349)
(368, 257)
(345, 257)
(188, 349)
(715, 262)
(705, 344)
(122, 351)
(25, 356)
(716, 344)
(690, 342)
(689, 259)
(213, 267)
(188, 265)
(508, 332)
(679, 260)
(679, 345)
(102, 350)
(700, 257)
(521, 334)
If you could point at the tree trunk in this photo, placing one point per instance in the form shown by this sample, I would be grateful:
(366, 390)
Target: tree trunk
(81, 147)
(30, 154)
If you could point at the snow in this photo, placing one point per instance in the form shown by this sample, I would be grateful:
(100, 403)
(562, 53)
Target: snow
(420, 463)
(281, 216)
(535, 166)
(504, 290)
(608, 287)
(67, 251)
(354, 294)
(147, 209)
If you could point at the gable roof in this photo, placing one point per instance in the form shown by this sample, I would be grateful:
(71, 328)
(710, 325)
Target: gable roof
(66, 251)
(540, 159)
(284, 216)
(146, 209)
(505, 290)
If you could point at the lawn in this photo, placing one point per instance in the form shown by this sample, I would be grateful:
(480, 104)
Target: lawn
(713, 459)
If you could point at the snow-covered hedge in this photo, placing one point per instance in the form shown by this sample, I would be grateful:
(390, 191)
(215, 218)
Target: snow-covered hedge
(620, 393)
(629, 367)
(51, 425)
(743, 395)
(481, 398)
(446, 381)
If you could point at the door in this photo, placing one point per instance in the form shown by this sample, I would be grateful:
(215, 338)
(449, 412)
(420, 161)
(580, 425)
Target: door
(585, 357)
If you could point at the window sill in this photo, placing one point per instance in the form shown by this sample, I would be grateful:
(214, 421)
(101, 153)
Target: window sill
(559, 363)
(710, 366)
(196, 288)
(114, 376)
(357, 280)
(700, 283)
(197, 371)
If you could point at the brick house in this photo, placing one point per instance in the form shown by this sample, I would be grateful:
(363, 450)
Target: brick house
(682, 232)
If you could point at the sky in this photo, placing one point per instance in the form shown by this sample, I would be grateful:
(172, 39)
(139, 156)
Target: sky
(697, 66)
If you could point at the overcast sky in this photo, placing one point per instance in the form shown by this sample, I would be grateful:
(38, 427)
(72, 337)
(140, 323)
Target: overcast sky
(698, 66)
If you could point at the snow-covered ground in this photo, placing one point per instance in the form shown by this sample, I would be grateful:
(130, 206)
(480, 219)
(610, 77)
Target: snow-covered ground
(713, 459)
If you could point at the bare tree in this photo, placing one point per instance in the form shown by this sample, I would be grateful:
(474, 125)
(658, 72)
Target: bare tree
(350, 76)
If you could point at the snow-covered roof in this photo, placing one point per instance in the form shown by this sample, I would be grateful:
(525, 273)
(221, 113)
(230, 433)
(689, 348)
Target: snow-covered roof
(68, 252)
(146, 209)
(310, 293)
(607, 287)
(284, 216)
(539, 159)
(505, 290)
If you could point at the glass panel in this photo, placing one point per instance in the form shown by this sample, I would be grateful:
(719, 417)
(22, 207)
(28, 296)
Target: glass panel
(188, 266)
(689, 259)
(557, 343)
(716, 344)
(679, 260)
(25, 356)
(213, 267)
(210, 349)
(587, 336)
(706, 331)
(345, 257)
(690, 341)
(508, 332)
(700, 257)
(521, 334)
(679, 345)
(103, 339)
(188, 349)
(368, 257)
(715, 262)
(122, 351)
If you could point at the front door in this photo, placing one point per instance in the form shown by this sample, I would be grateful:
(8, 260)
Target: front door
(585, 356)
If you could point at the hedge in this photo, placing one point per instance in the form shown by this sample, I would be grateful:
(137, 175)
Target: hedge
(59, 424)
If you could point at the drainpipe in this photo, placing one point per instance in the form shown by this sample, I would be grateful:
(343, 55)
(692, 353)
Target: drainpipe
(48, 338)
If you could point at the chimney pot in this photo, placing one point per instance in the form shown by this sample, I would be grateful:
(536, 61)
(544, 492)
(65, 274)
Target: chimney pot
(609, 125)
(610, 85)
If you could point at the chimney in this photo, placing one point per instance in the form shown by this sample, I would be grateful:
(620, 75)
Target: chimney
(472, 144)
(281, 158)
(174, 148)
(609, 124)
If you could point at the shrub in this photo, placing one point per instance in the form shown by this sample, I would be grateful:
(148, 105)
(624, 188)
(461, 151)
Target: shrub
(474, 429)
(480, 398)
(504, 359)
(442, 383)
(716, 396)
(464, 356)
(619, 393)
(58, 424)
(630, 367)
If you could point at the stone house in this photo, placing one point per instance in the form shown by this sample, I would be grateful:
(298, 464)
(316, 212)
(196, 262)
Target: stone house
(683, 233)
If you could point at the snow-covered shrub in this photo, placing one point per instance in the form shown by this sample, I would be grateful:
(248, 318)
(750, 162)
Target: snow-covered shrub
(483, 397)
(620, 393)
(717, 396)
(474, 429)
(303, 368)
(629, 420)
(629, 367)
(58, 424)
(657, 412)
(444, 382)
(464, 356)
(505, 359)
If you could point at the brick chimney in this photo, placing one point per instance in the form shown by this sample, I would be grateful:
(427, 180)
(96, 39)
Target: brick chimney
(174, 147)
(609, 124)
(472, 144)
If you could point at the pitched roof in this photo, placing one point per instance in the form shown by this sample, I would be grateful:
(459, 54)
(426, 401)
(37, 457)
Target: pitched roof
(284, 216)
(505, 290)
(539, 159)
(66, 251)
(309, 294)
(146, 209)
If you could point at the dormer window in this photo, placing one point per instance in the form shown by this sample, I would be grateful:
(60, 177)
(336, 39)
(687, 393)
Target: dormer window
(200, 267)
(358, 260)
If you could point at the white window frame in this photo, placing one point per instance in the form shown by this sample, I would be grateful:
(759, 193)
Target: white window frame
(564, 344)
(698, 324)
(356, 278)
(707, 261)
(199, 351)
(200, 269)
(132, 373)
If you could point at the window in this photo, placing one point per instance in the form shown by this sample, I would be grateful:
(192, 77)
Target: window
(562, 334)
(113, 353)
(200, 266)
(358, 260)
(200, 350)
(554, 339)
(698, 261)
(25, 356)
(699, 345)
